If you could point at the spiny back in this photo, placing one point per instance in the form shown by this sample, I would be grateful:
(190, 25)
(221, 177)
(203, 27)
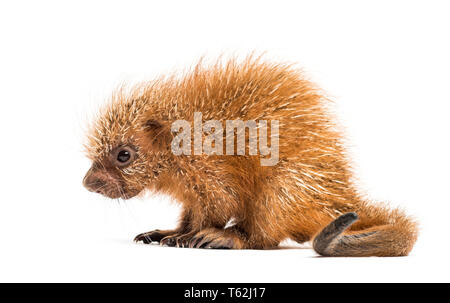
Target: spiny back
(252, 89)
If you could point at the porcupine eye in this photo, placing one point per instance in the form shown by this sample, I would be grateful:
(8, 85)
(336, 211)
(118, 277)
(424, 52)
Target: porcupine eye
(123, 156)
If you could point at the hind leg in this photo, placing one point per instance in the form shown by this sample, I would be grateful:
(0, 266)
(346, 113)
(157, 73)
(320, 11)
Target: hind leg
(395, 237)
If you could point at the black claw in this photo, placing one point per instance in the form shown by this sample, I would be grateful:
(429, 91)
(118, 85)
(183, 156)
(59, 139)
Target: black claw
(171, 242)
(147, 240)
(180, 242)
(195, 241)
(138, 238)
(144, 238)
(203, 245)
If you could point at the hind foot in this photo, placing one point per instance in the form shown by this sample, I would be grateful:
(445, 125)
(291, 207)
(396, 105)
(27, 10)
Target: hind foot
(206, 238)
(217, 238)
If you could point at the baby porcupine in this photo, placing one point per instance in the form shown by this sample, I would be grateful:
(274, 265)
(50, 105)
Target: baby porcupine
(307, 195)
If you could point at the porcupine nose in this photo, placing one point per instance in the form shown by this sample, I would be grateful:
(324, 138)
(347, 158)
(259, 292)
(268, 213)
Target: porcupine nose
(93, 183)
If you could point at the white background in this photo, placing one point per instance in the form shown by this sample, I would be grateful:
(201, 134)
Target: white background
(385, 63)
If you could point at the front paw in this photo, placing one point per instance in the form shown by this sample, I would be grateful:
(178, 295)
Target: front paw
(152, 236)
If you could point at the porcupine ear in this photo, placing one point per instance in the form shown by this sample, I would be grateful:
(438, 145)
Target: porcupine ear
(152, 124)
(157, 134)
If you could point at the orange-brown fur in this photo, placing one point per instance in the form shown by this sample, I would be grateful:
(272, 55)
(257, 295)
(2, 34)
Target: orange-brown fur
(308, 188)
